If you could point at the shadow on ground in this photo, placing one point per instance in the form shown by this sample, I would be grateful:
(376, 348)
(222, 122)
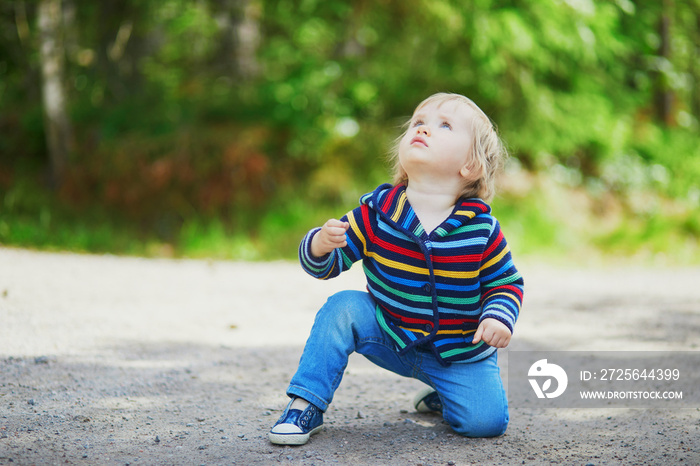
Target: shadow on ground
(174, 403)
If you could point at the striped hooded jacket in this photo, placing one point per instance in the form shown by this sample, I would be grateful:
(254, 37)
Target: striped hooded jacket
(431, 290)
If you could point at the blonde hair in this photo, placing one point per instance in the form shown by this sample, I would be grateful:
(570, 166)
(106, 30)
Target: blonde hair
(488, 151)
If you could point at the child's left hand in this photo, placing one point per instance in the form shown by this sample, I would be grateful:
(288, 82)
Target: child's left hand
(493, 332)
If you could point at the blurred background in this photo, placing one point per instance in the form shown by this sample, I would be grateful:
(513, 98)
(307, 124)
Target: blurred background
(228, 128)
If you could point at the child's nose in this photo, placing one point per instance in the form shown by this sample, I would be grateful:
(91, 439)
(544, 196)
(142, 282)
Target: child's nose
(424, 129)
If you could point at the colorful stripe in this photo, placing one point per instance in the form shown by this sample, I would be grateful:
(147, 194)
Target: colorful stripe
(431, 288)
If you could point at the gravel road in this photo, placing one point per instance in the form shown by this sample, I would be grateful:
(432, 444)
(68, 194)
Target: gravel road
(112, 360)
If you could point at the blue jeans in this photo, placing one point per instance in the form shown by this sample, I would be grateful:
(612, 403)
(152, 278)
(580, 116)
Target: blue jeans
(472, 395)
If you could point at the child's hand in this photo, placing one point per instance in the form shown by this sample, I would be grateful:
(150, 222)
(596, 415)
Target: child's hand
(331, 236)
(492, 332)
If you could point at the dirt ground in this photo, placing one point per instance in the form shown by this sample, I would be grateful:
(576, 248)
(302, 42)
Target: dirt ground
(111, 360)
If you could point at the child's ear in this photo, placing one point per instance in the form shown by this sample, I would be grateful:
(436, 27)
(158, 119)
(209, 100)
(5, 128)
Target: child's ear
(465, 172)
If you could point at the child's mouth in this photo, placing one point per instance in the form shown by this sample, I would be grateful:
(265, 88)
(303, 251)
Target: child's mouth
(419, 140)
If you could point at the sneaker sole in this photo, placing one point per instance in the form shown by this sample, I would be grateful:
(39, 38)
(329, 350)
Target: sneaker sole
(292, 439)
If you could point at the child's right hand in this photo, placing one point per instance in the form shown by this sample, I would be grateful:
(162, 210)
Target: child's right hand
(331, 236)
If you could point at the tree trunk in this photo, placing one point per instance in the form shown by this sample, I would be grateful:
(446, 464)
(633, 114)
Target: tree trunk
(664, 94)
(248, 33)
(239, 23)
(56, 123)
(695, 72)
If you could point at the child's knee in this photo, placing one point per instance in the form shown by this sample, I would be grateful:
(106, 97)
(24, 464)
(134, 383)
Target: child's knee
(345, 299)
(482, 430)
(347, 305)
(344, 311)
(493, 424)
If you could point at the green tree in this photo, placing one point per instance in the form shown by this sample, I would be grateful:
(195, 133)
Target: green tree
(196, 111)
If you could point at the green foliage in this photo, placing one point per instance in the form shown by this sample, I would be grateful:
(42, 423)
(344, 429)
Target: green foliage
(211, 127)
(31, 217)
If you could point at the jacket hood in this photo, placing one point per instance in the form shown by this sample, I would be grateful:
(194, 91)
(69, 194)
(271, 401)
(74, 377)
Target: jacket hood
(392, 204)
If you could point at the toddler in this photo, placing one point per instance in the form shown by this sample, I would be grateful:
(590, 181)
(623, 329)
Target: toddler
(442, 290)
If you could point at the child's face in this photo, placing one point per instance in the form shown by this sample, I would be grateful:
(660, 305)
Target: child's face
(438, 142)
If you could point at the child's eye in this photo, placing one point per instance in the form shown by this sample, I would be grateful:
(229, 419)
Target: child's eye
(417, 123)
(446, 125)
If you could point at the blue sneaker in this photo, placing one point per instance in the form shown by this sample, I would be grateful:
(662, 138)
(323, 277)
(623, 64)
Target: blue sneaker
(296, 426)
(427, 401)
